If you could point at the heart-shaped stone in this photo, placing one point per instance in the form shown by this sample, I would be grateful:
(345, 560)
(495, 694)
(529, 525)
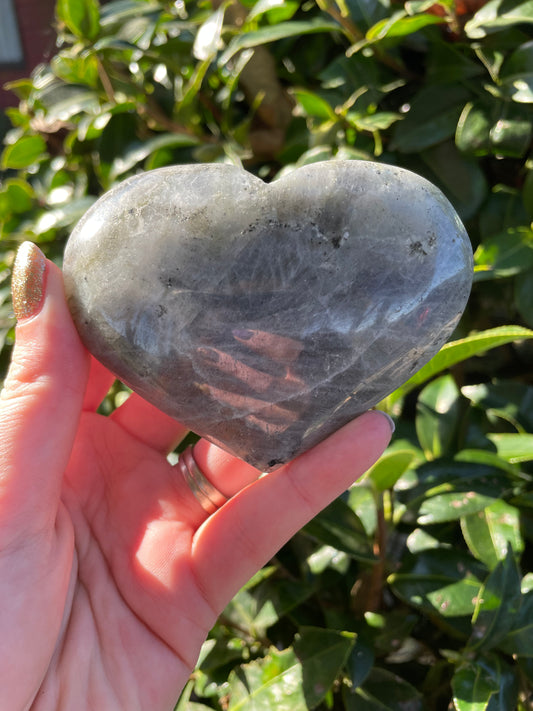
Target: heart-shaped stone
(264, 317)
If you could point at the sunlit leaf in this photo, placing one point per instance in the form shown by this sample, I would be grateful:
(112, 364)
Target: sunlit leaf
(390, 467)
(294, 679)
(513, 447)
(460, 350)
(273, 33)
(473, 687)
(504, 254)
(489, 532)
(438, 410)
(497, 604)
(82, 17)
(207, 41)
(24, 152)
(497, 15)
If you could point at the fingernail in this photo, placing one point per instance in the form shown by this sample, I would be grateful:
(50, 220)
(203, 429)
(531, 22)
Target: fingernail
(243, 334)
(27, 281)
(389, 418)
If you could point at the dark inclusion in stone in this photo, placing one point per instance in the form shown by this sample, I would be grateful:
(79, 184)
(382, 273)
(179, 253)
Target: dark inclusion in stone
(265, 317)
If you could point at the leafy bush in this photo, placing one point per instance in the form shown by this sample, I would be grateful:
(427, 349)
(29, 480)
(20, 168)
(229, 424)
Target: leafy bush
(415, 589)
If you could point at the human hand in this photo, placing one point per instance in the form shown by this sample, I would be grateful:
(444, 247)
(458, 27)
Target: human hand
(111, 572)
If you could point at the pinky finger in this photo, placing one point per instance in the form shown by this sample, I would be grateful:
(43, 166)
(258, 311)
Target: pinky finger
(243, 535)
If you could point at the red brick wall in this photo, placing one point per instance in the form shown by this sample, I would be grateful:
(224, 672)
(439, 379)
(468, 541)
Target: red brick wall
(35, 19)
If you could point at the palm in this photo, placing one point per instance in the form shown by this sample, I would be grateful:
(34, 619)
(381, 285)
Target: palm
(111, 573)
(135, 604)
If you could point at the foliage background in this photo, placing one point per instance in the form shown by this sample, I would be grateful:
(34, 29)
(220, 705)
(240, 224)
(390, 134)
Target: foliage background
(414, 590)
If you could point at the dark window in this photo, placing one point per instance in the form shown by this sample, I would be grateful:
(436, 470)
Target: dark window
(10, 44)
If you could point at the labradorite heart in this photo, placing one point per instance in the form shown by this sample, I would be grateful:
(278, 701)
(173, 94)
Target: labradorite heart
(264, 317)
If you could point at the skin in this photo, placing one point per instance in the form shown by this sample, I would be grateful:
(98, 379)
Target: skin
(111, 574)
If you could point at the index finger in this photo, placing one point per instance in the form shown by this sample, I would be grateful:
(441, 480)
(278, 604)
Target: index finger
(251, 527)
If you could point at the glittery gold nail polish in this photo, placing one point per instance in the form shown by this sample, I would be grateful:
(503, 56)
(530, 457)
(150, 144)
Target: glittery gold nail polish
(27, 281)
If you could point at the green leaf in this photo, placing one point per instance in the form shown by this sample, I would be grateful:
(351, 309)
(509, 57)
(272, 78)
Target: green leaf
(272, 682)
(523, 294)
(460, 350)
(314, 105)
(339, 527)
(383, 691)
(16, 196)
(27, 151)
(140, 150)
(509, 400)
(438, 410)
(432, 117)
(486, 683)
(473, 687)
(459, 176)
(519, 639)
(443, 581)
(322, 653)
(452, 506)
(489, 532)
(276, 11)
(76, 68)
(513, 447)
(505, 254)
(401, 25)
(389, 468)
(380, 121)
(294, 679)
(360, 662)
(207, 41)
(497, 605)
(497, 15)
(271, 34)
(473, 130)
(82, 17)
(511, 137)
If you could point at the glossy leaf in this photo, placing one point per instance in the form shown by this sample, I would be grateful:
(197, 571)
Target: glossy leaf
(473, 687)
(519, 638)
(383, 691)
(497, 605)
(294, 679)
(431, 118)
(389, 468)
(207, 41)
(511, 401)
(513, 447)
(438, 410)
(322, 654)
(25, 152)
(401, 25)
(16, 195)
(339, 527)
(457, 351)
(276, 32)
(489, 532)
(504, 254)
(497, 15)
(459, 176)
(314, 105)
(82, 17)
(473, 130)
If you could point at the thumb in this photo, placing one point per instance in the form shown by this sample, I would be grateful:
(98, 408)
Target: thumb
(42, 397)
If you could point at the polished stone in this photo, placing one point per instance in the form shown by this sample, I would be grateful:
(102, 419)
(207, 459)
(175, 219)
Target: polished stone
(264, 317)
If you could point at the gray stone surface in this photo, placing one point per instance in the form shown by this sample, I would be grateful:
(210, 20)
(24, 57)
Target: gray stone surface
(264, 317)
